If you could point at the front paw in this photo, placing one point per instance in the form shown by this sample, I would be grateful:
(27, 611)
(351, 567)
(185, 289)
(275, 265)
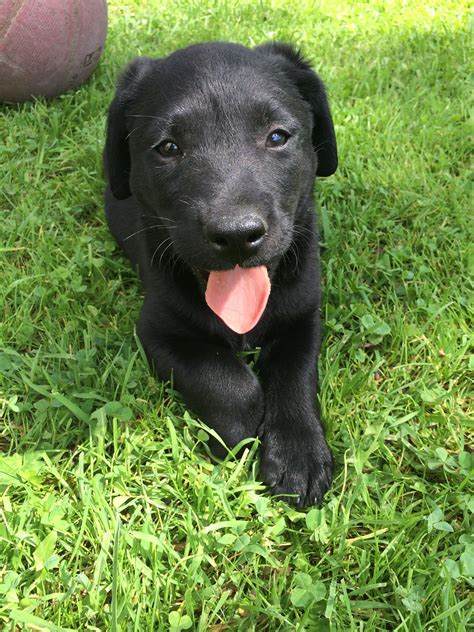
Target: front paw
(296, 464)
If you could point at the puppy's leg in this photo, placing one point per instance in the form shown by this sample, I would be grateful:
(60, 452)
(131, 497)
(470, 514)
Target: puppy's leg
(214, 383)
(295, 458)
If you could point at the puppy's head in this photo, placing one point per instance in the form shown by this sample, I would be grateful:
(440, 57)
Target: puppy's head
(225, 143)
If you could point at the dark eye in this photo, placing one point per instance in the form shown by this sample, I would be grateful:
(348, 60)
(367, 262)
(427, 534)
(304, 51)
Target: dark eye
(277, 138)
(168, 149)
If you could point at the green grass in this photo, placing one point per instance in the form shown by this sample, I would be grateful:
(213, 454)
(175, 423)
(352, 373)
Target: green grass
(112, 514)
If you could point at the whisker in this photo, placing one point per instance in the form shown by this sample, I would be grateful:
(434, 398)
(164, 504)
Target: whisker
(304, 237)
(175, 262)
(157, 248)
(293, 252)
(318, 147)
(148, 228)
(134, 130)
(150, 116)
(167, 247)
(165, 219)
(191, 201)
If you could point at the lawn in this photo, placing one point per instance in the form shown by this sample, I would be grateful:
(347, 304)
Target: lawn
(112, 514)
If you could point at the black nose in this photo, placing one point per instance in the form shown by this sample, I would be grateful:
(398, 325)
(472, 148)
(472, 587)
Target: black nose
(238, 238)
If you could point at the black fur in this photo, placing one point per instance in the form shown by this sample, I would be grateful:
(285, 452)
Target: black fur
(219, 102)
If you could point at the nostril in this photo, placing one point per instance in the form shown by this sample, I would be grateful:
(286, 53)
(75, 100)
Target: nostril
(255, 237)
(218, 240)
(221, 242)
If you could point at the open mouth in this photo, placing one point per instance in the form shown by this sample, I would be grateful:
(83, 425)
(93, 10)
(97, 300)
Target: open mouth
(203, 274)
(238, 296)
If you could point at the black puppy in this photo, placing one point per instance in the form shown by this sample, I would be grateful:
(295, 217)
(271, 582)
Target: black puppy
(211, 157)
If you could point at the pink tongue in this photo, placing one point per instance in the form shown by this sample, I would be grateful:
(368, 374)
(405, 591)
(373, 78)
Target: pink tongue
(238, 296)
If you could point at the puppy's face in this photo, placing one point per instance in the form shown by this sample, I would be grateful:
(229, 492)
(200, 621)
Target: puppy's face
(220, 144)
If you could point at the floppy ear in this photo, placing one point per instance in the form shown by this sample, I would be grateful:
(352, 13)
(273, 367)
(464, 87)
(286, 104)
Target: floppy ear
(312, 90)
(117, 154)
